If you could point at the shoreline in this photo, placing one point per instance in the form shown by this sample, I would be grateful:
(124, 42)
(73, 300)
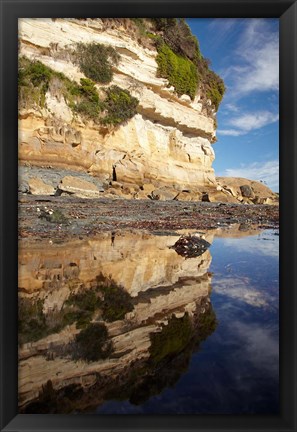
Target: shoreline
(85, 218)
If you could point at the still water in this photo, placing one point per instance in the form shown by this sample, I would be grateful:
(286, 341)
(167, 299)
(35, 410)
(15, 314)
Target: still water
(192, 336)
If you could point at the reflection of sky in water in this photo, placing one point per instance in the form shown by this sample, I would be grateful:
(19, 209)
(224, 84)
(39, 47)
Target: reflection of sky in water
(236, 368)
(267, 244)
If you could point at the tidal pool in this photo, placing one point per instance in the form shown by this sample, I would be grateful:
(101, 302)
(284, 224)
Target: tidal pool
(167, 335)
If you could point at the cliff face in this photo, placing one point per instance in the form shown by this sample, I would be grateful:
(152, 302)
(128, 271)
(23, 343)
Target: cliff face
(167, 142)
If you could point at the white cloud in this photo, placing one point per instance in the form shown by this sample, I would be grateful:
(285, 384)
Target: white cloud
(230, 132)
(258, 60)
(231, 107)
(222, 26)
(249, 122)
(267, 172)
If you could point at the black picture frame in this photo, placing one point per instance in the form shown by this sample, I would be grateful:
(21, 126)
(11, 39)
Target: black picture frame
(11, 10)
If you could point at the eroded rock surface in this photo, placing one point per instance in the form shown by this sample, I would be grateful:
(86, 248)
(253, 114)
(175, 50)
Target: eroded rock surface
(168, 141)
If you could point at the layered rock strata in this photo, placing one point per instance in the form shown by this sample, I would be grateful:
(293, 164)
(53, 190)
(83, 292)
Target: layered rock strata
(167, 143)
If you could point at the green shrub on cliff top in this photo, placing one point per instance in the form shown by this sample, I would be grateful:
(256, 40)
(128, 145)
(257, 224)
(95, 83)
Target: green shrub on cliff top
(177, 34)
(181, 62)
(212, 84)
(215, 89)
(181, 72)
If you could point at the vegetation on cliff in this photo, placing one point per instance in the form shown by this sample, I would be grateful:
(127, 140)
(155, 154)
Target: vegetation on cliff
(180, 71)
(96, 61)
(188, 64)
(180, 60)
(33, 83)
(88, 103)
(178, 36)
(120, 106)
(36, 79)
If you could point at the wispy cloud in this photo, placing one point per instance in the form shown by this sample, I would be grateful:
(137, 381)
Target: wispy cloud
(230, 132)
(231, 107)
(223, 26)
(249, 122)
(267, 172)
(257, 66)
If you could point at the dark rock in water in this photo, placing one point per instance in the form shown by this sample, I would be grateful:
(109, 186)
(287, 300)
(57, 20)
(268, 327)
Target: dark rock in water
(190, 246)
(247, 191)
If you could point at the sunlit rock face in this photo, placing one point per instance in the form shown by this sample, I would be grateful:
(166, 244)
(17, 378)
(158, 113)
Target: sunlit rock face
(167, 142)
(160, 283)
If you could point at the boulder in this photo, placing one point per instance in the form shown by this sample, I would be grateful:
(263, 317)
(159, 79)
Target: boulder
(130, 189)
(232, 191)
(258, 192)
(38, 187)
(79, 187)
(247, 191)
(218, 196)
(189, 196)
(163, 194)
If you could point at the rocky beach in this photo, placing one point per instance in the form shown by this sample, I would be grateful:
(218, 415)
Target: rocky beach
(122, 220)
(84, 218)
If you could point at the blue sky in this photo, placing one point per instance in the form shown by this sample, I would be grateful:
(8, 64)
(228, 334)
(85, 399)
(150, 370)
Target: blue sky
(245, 53)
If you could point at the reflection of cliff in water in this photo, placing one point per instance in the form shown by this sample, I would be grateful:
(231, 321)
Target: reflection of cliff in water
(108, 318)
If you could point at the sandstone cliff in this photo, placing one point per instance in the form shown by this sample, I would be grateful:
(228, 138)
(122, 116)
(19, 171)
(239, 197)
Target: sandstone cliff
(167, 142)
(161, 150)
